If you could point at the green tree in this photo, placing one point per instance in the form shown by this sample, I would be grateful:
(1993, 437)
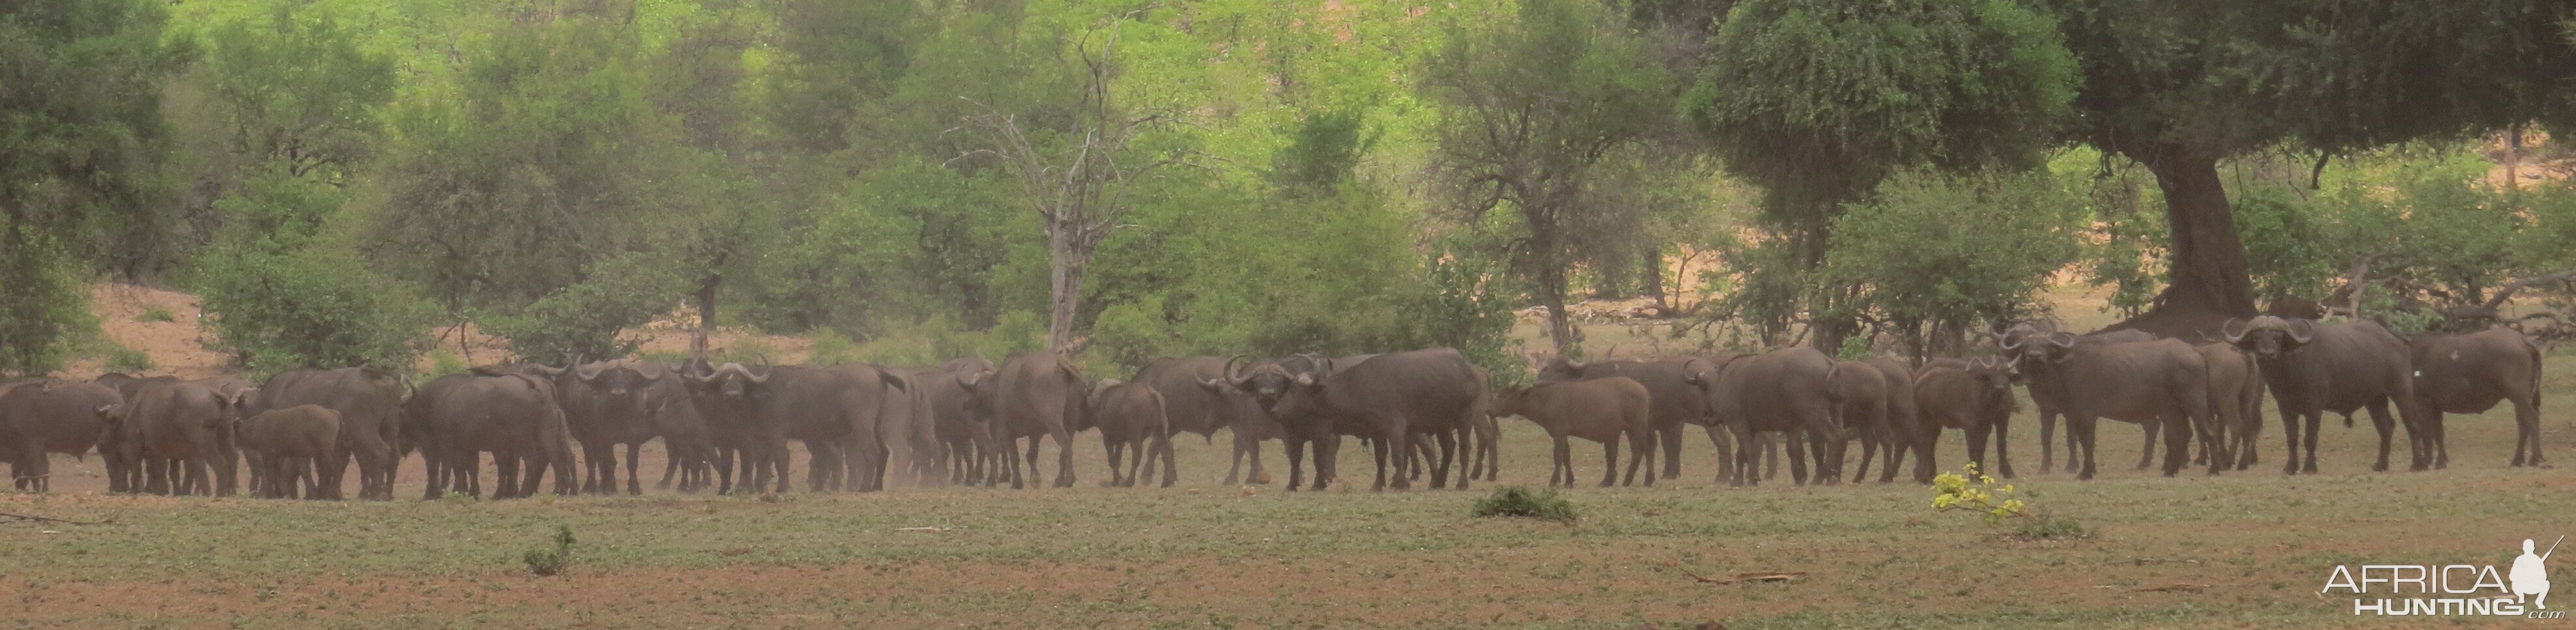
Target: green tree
(1535, 104)
(1994, 239)
(2179, 87)
(81, 137)
(1818, 101)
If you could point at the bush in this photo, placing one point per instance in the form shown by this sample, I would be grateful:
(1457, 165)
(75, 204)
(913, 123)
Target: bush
(45, 309)
(156, 314)
(584, 321)
(1519, 501)
(2042, 526)
(128, 360)
(310, 309)
(1994, 240)
(832, 348)
(551, 561)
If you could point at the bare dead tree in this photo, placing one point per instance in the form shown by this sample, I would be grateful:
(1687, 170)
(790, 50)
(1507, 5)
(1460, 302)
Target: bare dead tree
(1078, 189)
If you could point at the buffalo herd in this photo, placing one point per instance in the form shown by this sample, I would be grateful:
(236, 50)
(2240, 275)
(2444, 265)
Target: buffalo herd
(1419, 413)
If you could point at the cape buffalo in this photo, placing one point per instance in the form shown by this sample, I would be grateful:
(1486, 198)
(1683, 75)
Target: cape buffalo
(173, 427)
(1904, 422)
(2313, 369)
(1384, 398)
(1034, 395)
(370, 402)
(1130, 415)
(2469, 374)
(288, 441)
(2019, 336)
(2235, 398)
(1675, 402)
(1865, 395)
(1601, 410)
(41, 416)
(758, 410)
(514, 416)
(2138, 381)
(1973, 396)
(967, 439)
(1789, 389)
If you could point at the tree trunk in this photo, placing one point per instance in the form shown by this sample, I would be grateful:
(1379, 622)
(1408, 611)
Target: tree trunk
(1654, 268)
(698, 343)
(2209, 273)
(1560, 328)
(1066, 248)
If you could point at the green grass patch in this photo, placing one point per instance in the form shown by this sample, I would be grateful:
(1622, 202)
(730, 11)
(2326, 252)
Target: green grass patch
(1519, 501)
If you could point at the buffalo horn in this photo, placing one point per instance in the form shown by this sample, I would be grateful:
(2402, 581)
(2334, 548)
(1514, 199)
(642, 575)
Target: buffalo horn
(2228, 329)
(2302, 330)
(760, 376)
(2063, 340)
(1230, 376)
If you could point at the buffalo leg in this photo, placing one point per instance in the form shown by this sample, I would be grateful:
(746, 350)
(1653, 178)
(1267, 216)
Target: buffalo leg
(2048, 451)
(1448, 456)
(1798, 443)
(670, 468)
(2290, 437)
(2083, 428)
(2387, 428)
(634, 482)
(1609, 461)
(1641, 450)
(2147, 453)
(1671, 438)
(2003, 438)
(1558, 453)
(1377, 449)
(1722, 438)
(1297, 463)
(2526, 421)
(1117, 466)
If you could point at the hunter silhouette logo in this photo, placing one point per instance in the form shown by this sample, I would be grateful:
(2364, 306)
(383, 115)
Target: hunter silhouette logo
(2398, 590)
(2530, 577)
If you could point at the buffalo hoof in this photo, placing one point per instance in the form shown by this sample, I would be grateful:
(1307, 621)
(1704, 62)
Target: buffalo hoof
(1260, 479)
(2311, 468)
(2379, 467)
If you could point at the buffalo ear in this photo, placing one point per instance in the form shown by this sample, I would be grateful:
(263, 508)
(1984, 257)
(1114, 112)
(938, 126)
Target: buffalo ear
(1307, 380)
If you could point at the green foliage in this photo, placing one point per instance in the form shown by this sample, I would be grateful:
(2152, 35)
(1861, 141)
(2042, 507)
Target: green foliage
(47, 308)
(1930, 256)
(831, 348)
(156, 314)
(1817, 100)
(443, 362)
(295, 88)
(1536, 102)
(2044, 526)
(128, 360)
(583, 321)
(547, 562)
(1970, 491)
(80, 124)
(310, 309)
(1521, 502)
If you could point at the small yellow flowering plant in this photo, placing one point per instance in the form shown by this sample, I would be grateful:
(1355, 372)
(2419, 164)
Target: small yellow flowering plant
(1971, 490)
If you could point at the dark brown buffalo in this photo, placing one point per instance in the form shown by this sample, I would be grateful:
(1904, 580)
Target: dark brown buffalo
(1789, 389)
(173, 436)
(41, 416)
(2235, 399)
(2313, 369)
(1973, 396)
(1864, 396)
(287, 442)
(1239, 408)
(2019, 335)
(1130, 416)
(1386, 398)
(2161, 381)
(2469, 374)
(514, 416)
(1034, 395)
(1599, 409)
(1904, 422)
(969, 446)
(879, 424)
(1675, 401)
(370, 402)
(909, 429)
(757, 410)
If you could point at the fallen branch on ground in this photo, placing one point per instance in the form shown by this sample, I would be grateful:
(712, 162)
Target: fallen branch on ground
(48, 519)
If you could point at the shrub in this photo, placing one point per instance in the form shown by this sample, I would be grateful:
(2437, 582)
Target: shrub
(584, 321)
(310, 309)
(1970, 490)
(445, 362)
(129, 360)
(46, 310)
(1519, 501)
(2042, 526)
(551, 561)
(156, 314)
(832, 348)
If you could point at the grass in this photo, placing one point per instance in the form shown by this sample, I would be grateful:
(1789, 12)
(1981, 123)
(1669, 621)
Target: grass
(1519, 501)
(1205, 555)
(128, 360)
(156, 314)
